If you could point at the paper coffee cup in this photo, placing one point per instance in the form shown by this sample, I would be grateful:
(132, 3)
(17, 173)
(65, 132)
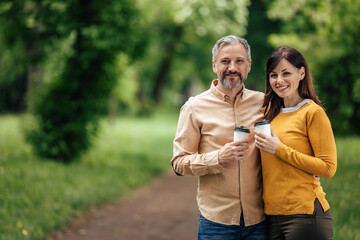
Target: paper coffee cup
(241, 133)
(263, 126)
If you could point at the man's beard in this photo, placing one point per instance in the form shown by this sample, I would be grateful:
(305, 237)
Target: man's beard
(231, 85)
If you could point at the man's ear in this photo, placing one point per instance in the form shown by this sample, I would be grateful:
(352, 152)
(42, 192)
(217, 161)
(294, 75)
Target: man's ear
(214, 66)
(249, 66)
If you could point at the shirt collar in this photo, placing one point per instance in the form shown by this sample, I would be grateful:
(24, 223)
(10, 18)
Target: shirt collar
(219, 94)
(293, 109)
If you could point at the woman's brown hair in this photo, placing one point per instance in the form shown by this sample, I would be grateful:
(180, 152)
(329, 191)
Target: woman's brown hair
(272, 102)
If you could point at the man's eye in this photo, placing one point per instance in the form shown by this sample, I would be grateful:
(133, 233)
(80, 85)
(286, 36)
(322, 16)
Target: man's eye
(225, 61)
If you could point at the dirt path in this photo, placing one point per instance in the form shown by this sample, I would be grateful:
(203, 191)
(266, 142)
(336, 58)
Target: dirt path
(164, 209)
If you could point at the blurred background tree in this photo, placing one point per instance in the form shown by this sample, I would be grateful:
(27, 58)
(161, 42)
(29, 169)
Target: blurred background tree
(181, 34)
(69, 62)
(67, 110)
(22, 50)
(326, 33)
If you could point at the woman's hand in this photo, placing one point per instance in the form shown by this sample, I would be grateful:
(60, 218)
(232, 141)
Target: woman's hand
(267, 143)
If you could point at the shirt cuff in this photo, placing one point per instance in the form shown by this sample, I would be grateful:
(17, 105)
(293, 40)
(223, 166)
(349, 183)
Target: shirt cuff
(212, 161)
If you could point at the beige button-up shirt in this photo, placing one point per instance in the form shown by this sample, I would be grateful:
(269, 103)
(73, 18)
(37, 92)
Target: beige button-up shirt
(207, 123)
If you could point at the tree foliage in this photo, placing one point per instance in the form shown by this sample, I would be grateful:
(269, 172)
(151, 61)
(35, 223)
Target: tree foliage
(258, 30)
(181, 34)
(65, 61)
(326, 33)
(68, 110)
(21, 39)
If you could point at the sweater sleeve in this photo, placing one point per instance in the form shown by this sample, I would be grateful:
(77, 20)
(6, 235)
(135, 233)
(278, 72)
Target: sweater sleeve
(321, 138)
(186, 159)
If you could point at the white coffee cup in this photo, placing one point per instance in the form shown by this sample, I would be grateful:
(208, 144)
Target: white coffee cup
(241, 133)
(263, 126)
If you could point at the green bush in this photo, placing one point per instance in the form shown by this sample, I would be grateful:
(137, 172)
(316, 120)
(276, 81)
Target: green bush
(338, 92)
(67, 113)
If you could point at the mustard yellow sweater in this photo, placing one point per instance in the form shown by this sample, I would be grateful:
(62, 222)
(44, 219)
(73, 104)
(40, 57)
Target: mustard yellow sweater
(307, 150)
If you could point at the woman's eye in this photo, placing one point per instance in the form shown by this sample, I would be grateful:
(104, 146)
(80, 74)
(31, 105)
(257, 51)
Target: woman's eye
(272, 75)
(286, 73)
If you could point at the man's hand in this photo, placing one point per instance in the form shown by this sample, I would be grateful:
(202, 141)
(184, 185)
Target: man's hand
(234, 151)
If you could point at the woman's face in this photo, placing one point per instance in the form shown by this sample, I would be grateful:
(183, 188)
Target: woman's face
(284, 81)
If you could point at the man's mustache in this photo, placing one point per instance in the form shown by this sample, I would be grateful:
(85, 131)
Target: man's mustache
(233, 73)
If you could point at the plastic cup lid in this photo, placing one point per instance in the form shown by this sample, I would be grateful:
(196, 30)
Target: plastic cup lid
(262, 122)
(242, 129)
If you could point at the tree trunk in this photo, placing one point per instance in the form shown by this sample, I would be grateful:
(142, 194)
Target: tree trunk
(33, 85)
(112, 108)
(162, 75)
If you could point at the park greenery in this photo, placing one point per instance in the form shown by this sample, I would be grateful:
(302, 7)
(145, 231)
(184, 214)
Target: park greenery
(120, 160)
(82, 81)
(38, 196)
(326, 32)
(68, 63)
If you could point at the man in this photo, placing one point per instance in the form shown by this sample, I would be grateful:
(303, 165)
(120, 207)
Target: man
(230, 185)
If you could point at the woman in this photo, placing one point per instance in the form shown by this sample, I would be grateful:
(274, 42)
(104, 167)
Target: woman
(301, 148)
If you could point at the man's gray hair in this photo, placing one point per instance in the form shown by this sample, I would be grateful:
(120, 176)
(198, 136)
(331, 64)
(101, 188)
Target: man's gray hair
(230, 40)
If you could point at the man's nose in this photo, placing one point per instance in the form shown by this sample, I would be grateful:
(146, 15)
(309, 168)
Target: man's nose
(232, 67)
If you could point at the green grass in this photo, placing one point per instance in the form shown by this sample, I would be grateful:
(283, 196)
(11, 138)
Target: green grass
(343, 190)
(38, 196)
